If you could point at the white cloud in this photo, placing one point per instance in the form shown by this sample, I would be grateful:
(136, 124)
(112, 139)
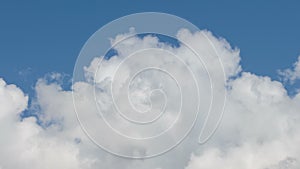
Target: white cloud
(26, 145)
(260, 128)
(12, 100)
(291, 75)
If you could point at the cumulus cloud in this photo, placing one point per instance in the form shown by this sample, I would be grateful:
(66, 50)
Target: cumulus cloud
(259, 129)
(25, 144)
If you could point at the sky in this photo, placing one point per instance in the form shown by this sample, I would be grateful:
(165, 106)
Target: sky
(224, 96)
(38, 37)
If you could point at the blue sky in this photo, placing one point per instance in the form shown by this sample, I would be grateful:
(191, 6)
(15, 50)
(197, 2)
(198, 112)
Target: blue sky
(38, 37)
(41, 120)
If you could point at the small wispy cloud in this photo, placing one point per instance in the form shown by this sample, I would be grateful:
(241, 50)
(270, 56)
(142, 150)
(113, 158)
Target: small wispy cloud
(291, 74)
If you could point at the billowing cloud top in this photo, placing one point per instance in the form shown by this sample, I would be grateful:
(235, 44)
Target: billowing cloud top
(259, 130)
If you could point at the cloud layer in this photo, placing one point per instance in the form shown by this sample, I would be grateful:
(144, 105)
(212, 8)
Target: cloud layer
(259, 130)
